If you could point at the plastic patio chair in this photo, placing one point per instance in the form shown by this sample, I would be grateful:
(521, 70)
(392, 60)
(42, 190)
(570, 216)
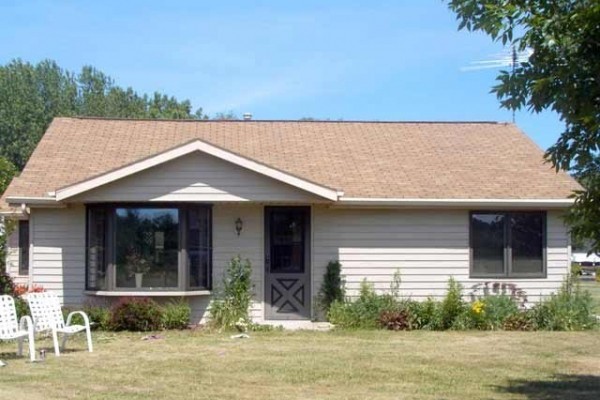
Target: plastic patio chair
(47, 316)
(10, 329)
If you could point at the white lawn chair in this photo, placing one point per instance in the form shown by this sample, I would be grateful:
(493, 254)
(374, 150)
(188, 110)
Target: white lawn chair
(10, 329)
(47, 316)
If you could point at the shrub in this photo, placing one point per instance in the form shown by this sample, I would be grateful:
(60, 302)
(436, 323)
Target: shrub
(488, 313)
(99, 316)
(232, 302)
(332, 288)
(598, 274)
(395, 320)
(452, 306)
(497, 309)
(22, 307)
(424, 315)
(7, 285)
(136, 314)
(176, 315)
(569, 310)
(575, 269)
(520, 321)
(362, 313)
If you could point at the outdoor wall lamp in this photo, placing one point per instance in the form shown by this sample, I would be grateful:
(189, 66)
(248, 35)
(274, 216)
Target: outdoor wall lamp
(239, 224)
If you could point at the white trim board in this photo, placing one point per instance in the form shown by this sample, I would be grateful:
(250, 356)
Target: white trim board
(487, 203)
(197, 145)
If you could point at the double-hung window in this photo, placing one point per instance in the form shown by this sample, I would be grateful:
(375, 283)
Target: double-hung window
(148, 247)
(508, 244)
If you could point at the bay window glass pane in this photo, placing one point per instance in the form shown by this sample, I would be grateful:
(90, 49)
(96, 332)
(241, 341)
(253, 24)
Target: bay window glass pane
(198, 247)
(147, 247)
(487, 241)
(527, 241)
(23, 247)
(97, 257)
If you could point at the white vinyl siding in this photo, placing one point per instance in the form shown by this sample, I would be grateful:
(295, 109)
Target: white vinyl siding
(197, 177)
(426, 247)
(248, 245)
(58, 256)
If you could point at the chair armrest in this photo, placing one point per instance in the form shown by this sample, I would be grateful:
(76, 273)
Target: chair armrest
(26, 323)
(86, 319)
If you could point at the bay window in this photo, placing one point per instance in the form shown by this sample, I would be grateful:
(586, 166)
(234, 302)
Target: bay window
(508, 244)
(148, 247)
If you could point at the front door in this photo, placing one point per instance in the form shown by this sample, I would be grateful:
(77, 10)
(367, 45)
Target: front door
(287, 262)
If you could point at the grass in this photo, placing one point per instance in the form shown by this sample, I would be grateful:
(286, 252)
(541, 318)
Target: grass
(332, 365)
(594, 288)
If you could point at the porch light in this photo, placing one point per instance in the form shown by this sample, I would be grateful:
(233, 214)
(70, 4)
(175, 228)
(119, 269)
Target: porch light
(239, 224)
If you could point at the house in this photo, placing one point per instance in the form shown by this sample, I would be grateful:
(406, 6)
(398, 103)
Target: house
(110, 208)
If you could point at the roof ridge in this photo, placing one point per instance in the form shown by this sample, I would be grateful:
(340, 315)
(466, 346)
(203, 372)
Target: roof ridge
(287, 120)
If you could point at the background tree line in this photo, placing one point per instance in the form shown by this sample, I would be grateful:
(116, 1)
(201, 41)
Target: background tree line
(31, 95)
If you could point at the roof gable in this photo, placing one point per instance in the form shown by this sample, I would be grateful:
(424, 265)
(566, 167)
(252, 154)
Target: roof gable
(188, 148)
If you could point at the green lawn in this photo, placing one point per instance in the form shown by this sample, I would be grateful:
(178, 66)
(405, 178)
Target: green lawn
(315, 365)
(594, 288)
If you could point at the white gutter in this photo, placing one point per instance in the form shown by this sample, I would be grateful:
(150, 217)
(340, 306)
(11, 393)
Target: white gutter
(487, 203)
(34, 201)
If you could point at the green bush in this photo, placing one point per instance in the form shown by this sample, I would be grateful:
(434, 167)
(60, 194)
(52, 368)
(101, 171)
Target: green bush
(497, 309)
(424, 314)
(99, 316)
(7, 285)
(136, 314)
(576, 269)
(176, 315)
(487, 314)
(571, 309)
(362, 313)
(22, 307)
(232, 302)
(332, 288)
(452, 306)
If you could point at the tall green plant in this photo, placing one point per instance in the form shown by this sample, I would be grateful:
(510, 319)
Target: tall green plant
(571, 309)
(452, 306)
(232, 301)
(332, 288)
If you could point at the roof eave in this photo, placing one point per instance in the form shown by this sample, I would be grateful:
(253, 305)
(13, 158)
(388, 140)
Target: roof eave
(462, 203)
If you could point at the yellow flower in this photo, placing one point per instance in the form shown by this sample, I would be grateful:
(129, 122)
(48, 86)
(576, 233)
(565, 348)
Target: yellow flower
(478, 307)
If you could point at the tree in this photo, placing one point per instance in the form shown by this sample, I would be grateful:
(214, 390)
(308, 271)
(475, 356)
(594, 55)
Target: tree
(562, 75)
(226, 116)
(32, 95)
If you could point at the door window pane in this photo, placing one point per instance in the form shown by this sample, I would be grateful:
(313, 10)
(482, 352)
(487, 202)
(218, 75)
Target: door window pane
(147, 247)
(487, 235)
(287, 241)
(527, 241)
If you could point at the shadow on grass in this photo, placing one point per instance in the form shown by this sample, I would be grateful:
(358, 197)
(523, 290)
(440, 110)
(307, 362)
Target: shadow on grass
(572, 387)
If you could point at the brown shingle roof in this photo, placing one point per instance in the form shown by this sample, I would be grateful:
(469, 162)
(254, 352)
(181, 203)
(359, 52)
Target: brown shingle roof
(426, 160)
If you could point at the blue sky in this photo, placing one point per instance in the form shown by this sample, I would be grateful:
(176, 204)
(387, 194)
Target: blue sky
(356, 60)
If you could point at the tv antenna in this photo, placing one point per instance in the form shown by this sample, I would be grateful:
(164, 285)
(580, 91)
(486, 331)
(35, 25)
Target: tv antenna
(509, 57)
